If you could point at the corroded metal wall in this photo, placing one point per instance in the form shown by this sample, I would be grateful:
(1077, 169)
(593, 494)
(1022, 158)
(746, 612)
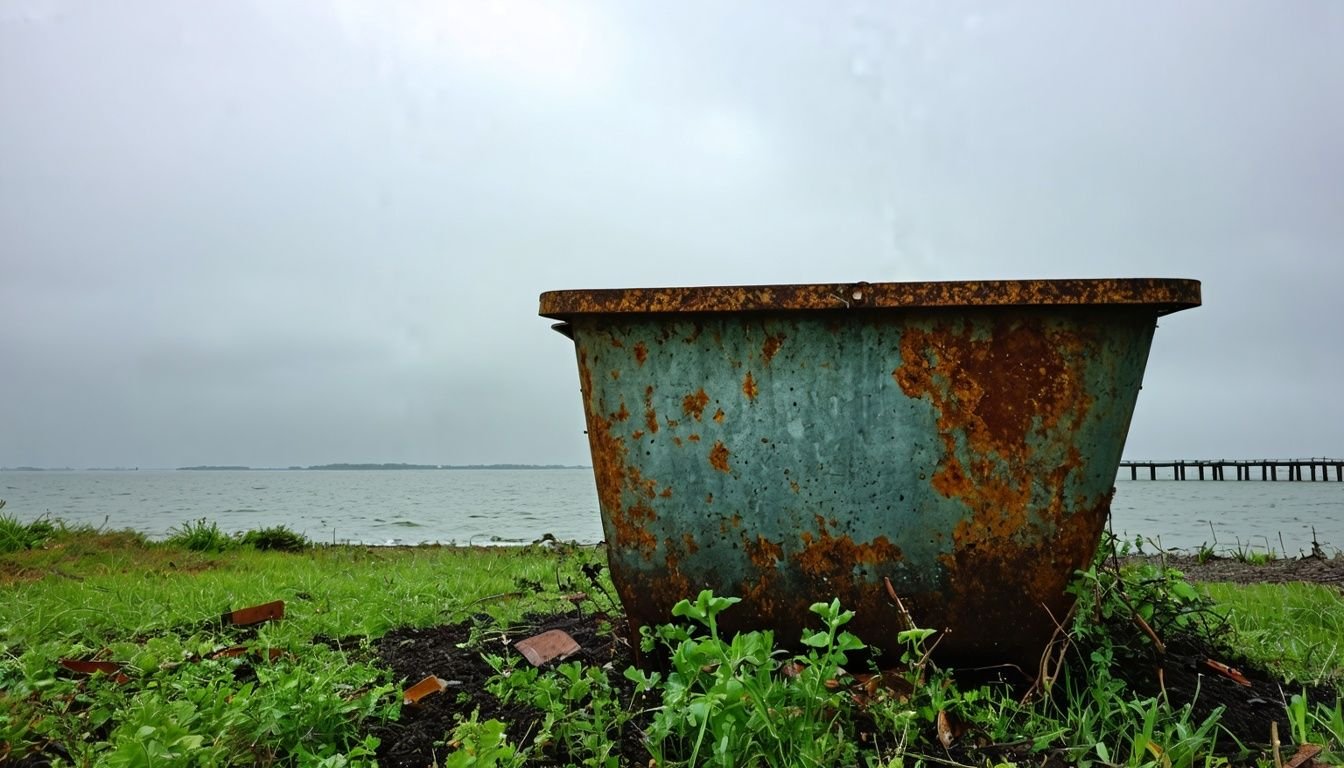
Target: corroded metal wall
(793, 456)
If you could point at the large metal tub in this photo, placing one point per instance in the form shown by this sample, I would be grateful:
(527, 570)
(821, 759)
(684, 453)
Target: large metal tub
(789, 444)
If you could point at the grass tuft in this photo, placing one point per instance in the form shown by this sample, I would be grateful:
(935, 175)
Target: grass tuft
(16, 535)
(278, 539)
(200, 536)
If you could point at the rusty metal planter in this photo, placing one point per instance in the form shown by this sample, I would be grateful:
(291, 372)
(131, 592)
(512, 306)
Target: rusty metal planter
(789, 444)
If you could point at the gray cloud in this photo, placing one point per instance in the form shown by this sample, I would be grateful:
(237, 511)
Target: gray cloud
(274, 234)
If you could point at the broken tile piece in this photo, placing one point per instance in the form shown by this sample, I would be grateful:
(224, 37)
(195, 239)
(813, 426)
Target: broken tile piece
(549, 645)
(256, 614)
(430, 685)
(83, 667)
(232, 652)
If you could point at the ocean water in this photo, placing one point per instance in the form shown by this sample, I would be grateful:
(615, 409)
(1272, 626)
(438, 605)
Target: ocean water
(458, 506)
(520, 506)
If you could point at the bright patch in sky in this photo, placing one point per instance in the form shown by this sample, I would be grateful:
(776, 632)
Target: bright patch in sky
(725, 134)
(539, 44)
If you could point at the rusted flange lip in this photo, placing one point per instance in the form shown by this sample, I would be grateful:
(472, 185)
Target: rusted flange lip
(1165, 295)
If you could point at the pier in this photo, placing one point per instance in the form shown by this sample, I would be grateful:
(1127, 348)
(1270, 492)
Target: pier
(1201, 469)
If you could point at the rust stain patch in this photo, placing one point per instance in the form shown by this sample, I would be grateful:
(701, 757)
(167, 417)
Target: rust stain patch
(771, 346)
(718, 416)
(623, 413)
(763, 553)
(718, 456)
(608, 450)
(749, 387)
(650, 416)
(1020, 385)
(833, 558)
(636, 482)
(609, 470)
(641, 353)
(994, 389)
(694, 404)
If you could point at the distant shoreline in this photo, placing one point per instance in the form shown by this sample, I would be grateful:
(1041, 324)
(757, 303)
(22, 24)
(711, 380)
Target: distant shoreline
(362, 467)
(313, 468)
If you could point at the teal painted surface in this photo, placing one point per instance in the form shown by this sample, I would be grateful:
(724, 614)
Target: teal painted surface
(833, 476)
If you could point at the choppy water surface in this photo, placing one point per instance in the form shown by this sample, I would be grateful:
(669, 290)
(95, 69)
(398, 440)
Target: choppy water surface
(511, 506)
(1230, 514)
(371, 507)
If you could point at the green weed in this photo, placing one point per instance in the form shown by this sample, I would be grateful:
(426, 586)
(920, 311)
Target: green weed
(1248, 554)
(200, 536)
(478, 744)
(278, 538)
(16, 535)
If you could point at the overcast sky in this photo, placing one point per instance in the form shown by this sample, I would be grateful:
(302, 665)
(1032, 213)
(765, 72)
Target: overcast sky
(278, 233)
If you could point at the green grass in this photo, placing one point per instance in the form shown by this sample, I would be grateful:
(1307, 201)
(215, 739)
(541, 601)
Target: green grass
(155, 606)
(1295, 629)
(725, 701)
(200, 536)
(91, 589)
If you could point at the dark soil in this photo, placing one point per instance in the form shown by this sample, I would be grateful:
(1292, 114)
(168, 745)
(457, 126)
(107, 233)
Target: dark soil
(1189, 677)
(454, 653)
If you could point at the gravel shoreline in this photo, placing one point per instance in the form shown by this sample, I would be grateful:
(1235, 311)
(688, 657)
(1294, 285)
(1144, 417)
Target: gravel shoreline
(1310, 569)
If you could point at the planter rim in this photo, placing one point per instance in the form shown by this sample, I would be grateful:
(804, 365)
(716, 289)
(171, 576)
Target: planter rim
(1165, 295)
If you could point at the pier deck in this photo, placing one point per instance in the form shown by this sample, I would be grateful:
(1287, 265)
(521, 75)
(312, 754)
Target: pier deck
(1216, 469)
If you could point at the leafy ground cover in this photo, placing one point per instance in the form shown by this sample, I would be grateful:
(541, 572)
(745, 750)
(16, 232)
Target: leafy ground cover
(323, 686)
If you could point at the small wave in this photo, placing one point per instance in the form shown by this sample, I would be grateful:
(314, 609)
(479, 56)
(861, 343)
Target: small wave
(407, 524)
